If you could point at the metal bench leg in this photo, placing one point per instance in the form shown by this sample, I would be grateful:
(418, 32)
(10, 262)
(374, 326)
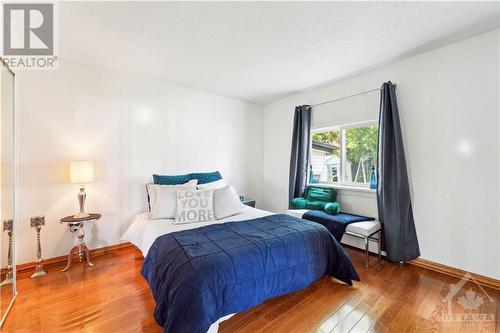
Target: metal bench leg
(379, 246)
(367, 252)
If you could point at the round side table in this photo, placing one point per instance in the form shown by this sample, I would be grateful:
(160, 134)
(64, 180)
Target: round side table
(81, 249)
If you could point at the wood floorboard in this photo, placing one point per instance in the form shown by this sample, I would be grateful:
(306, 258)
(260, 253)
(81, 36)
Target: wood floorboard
(340, 314)
(113, 297)
(352, 319)
(396, 296)
(301, 319)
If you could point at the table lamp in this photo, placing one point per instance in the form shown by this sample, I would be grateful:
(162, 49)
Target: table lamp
(81, 172)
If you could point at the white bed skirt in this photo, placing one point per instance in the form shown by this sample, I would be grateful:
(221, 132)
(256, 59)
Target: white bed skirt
(214, 328)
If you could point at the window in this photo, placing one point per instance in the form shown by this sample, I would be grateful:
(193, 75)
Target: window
(344, 155)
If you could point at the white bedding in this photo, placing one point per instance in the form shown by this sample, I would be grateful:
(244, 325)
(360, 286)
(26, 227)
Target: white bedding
(143, 231)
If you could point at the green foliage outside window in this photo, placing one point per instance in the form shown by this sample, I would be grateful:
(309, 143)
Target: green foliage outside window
(361, 150)
(361, 147)
(330, 137)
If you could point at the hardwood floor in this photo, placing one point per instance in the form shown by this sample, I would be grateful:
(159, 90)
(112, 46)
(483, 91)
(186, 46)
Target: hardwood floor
(113, 297)
(5, 298)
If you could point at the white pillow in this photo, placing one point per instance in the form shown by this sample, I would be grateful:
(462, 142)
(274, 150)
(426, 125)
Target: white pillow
(213, 185)
(162, 199)
(194, 206)
(227, 202)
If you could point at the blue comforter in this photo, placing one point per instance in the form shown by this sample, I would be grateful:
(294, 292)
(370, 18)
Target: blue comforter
(336, 224)
(200, 275)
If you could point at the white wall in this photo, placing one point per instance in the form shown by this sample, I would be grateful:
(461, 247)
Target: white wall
(131, 127)
(449, 108)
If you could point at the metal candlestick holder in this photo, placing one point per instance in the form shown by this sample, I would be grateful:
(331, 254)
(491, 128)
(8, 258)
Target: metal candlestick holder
(37, 222)
(8, 227)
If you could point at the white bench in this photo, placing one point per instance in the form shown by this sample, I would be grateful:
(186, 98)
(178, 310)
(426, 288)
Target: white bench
(367, 230)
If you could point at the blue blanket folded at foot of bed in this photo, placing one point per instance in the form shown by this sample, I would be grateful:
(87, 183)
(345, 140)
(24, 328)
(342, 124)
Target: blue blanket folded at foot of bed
(200, 275)
(336, 224)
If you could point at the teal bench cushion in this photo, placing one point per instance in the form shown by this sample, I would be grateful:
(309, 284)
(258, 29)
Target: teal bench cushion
(315, 205)
(332, 208)
(299, 203)
(318, 198)
(321, 194)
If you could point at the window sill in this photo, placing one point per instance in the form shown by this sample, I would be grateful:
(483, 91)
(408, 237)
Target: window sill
(346, 188)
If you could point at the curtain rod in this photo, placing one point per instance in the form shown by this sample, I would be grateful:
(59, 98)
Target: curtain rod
(345, 97)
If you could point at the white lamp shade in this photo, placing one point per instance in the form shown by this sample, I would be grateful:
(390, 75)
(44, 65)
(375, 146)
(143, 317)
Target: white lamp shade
(81, 172)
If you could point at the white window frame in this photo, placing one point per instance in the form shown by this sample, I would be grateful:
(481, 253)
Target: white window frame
(342, 129)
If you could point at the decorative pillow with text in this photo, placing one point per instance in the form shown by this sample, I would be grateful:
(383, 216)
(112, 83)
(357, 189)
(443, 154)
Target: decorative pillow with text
(194, 206)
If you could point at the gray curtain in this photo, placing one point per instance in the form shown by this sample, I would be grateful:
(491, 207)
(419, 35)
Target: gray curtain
(393, 190)
(299, 159)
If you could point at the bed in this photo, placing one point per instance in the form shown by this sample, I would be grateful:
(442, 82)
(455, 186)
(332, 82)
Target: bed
(202, 273)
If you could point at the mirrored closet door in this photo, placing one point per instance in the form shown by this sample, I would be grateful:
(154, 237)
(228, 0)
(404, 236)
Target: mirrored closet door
(7, 191)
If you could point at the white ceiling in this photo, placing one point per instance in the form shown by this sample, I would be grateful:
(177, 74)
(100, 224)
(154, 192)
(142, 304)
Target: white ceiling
(258, 51)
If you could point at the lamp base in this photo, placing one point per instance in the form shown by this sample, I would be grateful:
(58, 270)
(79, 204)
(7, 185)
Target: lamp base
(8, 279)
(39, 272)
(81, 215)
